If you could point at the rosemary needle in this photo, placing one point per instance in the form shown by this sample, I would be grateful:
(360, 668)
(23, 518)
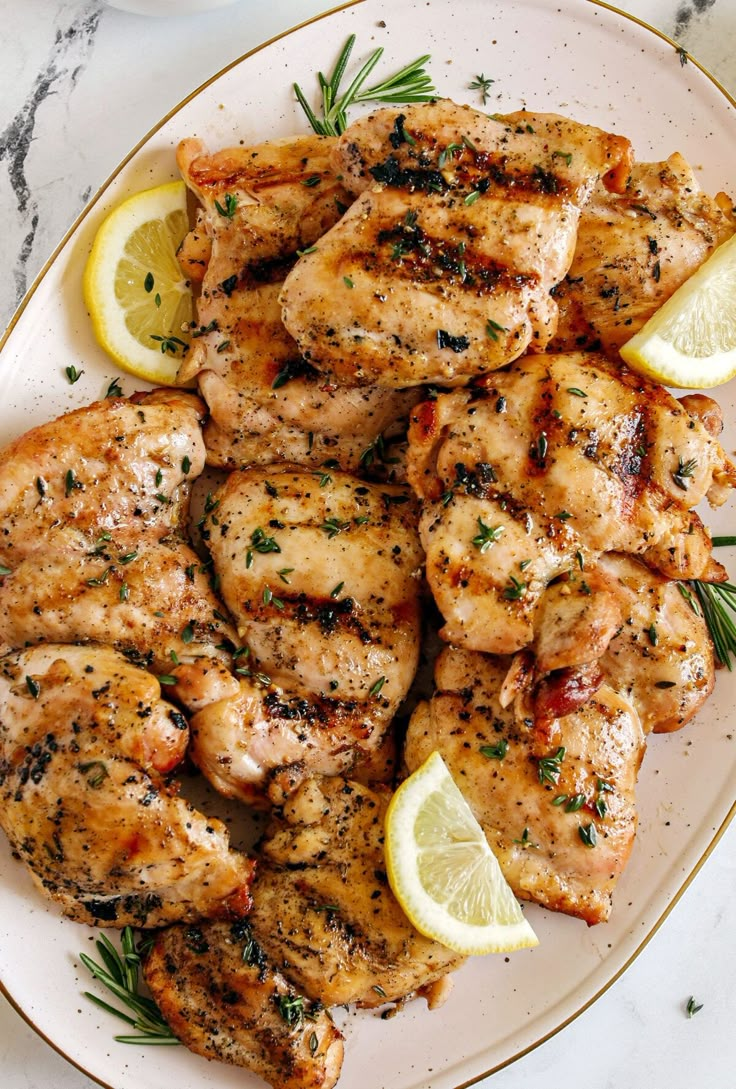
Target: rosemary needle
(409, 84)
(119, 973)
(716, 601)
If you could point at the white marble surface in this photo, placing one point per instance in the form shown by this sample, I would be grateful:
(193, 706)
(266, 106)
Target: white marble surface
(80, 84)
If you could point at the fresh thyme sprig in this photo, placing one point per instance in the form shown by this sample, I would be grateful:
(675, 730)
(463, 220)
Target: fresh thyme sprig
(119, 973)
(716, 602)
(410, 84)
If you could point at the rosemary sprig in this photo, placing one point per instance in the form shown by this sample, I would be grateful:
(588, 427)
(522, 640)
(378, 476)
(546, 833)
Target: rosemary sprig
(717, 604)
(119, 973)
(410, 84)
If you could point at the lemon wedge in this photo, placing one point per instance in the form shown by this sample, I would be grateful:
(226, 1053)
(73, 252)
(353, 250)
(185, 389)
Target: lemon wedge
(690, 342)
(443, 872)
(138, 298)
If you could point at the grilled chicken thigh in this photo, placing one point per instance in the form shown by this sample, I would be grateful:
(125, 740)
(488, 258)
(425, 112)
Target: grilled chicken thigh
(631, 628)
(85, 743)
(552, 462)
(633, 250)
(556, 800)
(92, 504)
(442, 268)
(260, 205)
(323, 910)
(119, 466)
(222, 999)
(321, 573)
(661, 657)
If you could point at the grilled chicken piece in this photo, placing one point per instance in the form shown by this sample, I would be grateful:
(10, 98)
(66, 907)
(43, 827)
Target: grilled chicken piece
(442, 268)
(661, 658)
(323, 910)
(155, 607)
(555, 800)
(633, 629)
(92, 504)
(222, 999)
(119, 466)
(321, 573)
(85, 744)
(260, 205)
(555, 460)
(633, 250)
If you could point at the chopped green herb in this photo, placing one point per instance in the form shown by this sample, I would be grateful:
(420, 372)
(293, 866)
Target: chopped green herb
(170, 343)
(497, 751)
(482, 84)
(291, 1008)
(333, 526)
(588, 834)
(73, 374)
(376, 688)
(684, 472)
(33, 687)
(493, 329)
(549, 766)
(693, 1007)
(486, 536)
(97, 773)
(515, 590)
(228, 208)
(269, 598)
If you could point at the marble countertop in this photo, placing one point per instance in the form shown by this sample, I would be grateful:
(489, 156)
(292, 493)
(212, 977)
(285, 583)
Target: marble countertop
(81, 83)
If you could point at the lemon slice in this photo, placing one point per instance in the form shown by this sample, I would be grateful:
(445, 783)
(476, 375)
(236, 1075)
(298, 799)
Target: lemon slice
(138, 299)
(443, 872)
(690, 342)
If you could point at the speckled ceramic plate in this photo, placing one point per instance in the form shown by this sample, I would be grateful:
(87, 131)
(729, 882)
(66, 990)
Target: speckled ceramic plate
(578, 58)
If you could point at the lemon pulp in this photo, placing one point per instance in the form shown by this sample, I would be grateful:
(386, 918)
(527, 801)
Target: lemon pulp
(138, 298)
(690, 342)
(442, 870)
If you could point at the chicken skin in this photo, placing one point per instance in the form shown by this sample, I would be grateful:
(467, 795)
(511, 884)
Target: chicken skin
(552, 462)
(442, 268)
(323, 911)
(259, 206)
(633, 251)
(92, 506)
(556, 800)
(219, 995)
(85, 743)
(321, 573)
(661, 657)
(633, 629)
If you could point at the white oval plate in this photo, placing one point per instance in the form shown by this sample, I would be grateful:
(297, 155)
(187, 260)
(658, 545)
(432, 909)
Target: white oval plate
(598, 66)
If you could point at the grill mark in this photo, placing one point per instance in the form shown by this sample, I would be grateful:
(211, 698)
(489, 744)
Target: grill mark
(319, 711)
(428, 260)
(334, 617)
(269, 270)
(240, 179)
(547, 428)
(474, 171)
